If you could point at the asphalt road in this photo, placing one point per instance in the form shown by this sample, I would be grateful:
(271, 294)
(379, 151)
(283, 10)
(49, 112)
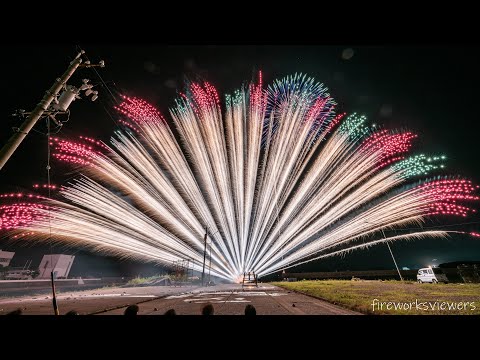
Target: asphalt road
(227, 299)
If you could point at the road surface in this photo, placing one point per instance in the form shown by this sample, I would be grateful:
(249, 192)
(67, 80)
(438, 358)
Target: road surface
(227, 299)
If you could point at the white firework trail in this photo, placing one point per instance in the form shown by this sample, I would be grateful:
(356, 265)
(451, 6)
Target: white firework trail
(277, 178)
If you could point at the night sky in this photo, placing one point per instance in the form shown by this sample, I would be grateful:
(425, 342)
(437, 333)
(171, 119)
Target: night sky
(430, 90)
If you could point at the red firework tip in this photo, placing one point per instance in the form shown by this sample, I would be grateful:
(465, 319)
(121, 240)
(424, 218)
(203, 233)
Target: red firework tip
(94, 142)
(80, 152)
(204, 98)
(19, 195)
(20, 214)
(129, 125)
(258, 98)
(44, 186)
(334, 122)
(316, 109)
(212, 92)
(475, 234)
(391, 146)
(23, 234)
(444, 195)
(139, 111)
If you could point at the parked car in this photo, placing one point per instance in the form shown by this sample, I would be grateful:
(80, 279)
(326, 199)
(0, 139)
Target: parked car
(431, 275)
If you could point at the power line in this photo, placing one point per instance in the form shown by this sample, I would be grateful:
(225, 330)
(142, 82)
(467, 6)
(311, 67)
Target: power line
(96, 72)
(104, 84)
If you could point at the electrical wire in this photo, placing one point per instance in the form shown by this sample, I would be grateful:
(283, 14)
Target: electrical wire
(49, 191)
(104, 84)
(96, 72)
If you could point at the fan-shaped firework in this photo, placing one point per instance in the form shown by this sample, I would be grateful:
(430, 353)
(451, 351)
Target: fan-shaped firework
(277, 178)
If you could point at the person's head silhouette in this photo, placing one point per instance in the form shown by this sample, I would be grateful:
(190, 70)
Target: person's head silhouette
(19, 311)
(250, 310)
(208, 310)
(72, 312)
(131, 310)
(170, 312)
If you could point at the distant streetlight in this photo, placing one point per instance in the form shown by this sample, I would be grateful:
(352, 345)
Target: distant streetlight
(391, 253)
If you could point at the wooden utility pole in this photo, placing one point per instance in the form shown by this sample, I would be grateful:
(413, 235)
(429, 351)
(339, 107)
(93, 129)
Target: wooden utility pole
(16, 139)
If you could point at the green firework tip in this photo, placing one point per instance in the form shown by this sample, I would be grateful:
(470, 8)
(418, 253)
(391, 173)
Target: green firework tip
(418, 165)
(354, 126)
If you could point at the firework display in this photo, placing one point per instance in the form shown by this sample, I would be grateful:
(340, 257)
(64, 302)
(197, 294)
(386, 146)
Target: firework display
(277, 177)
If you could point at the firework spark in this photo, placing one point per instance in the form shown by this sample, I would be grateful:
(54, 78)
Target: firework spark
(278, 178)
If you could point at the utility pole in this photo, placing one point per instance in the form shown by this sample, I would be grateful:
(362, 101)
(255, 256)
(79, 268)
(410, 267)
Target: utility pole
(193, 267)
(54, 297)
(210, 264)
(43, 106)
(391, 253)
(204, 255)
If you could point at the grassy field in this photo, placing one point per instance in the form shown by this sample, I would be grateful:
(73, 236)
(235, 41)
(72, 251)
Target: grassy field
(394, 297)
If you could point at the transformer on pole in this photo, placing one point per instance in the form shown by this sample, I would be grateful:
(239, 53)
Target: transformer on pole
(43, 108)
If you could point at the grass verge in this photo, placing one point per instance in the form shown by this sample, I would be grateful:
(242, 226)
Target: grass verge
(393, 297)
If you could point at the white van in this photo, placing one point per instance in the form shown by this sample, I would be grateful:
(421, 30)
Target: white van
(429, 275)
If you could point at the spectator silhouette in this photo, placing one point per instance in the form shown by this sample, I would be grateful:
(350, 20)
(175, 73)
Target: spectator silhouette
(131, 310)
(208, 310)
(170, 312)
(250, 310)
(19, 311)
(72, 312)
